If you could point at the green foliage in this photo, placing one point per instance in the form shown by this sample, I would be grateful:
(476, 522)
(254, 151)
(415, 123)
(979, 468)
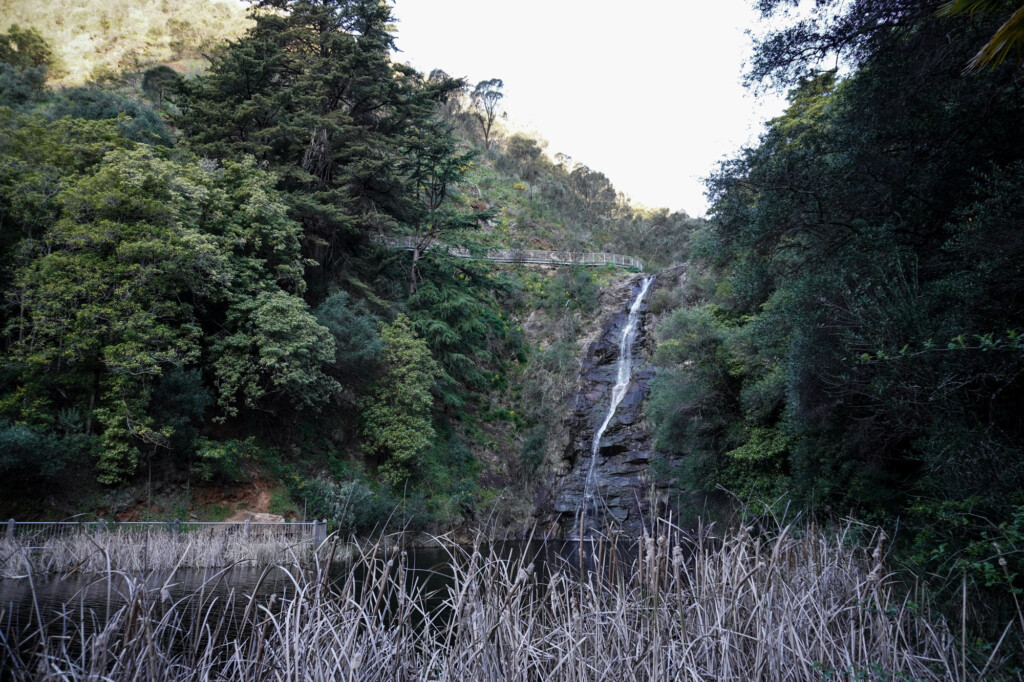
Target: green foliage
(354, 328)
(159, 82)
(103, 294)
(138, 122)
(572, 288)
(534, 452)
(24, 60)
(123, 256)
(396, 412)
(274, 348)
(851, 284)
(179, 401)
(224, 461)
(448, 480)
(353, 506)
(28, 455)
(695, 397)
(311, 91)
(20, 89)
(756, 469)
(1007, 40)
(457, 311)
(859, 350)
(174, 301)
(972, 538)
(24, 48)
(486, 96)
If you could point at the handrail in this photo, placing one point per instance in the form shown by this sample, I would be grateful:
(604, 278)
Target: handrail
(525, 256)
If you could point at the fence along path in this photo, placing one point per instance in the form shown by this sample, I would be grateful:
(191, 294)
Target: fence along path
(519, 255)
(311, 531)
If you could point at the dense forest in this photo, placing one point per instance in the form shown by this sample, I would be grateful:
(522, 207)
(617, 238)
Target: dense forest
(852, 343)
(197, 289)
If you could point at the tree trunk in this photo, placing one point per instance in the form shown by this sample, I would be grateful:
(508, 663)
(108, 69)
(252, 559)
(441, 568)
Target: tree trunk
(412, 275)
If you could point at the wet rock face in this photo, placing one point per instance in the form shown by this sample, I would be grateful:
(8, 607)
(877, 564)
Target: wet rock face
(619, 484)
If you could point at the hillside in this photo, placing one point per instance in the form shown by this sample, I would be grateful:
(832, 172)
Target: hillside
(271, 365)
(92, 39)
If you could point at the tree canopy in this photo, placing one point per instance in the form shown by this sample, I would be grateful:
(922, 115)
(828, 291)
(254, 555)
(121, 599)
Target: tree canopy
(862, 346)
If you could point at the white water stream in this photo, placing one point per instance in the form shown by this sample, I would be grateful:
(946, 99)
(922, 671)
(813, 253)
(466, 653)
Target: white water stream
(624, 371)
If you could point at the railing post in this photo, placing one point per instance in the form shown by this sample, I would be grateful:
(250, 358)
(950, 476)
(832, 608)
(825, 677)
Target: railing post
(176, 528)
(319, 532)
(10, 529)
(101, 526)
(245, 528)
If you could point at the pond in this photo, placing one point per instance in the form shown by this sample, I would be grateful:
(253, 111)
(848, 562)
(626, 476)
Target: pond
(91, 598)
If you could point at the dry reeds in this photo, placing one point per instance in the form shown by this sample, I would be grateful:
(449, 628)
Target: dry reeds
(744, 606)
(140, 551)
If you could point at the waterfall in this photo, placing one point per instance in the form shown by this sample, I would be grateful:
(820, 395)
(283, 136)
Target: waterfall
(624, 370)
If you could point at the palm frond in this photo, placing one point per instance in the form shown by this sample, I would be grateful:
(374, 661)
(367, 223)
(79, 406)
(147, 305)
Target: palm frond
(1009, 38)
(955, 7)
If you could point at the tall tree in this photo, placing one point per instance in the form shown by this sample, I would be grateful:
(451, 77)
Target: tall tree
(487, 95)
(312, 92)
(24, 48)
(432, 165)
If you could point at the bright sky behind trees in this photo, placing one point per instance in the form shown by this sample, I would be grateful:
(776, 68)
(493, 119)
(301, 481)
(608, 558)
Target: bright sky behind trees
(648, 93)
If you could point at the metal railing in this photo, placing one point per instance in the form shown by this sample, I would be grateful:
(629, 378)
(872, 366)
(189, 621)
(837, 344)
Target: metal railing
(312, 531)
(518, 255)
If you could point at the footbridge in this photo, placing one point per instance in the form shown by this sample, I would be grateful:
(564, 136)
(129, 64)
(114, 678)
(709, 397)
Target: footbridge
(533, 256)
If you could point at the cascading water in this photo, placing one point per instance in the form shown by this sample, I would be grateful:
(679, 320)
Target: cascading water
(624, 368)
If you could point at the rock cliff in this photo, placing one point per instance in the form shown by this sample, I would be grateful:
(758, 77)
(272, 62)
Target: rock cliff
(619, 481)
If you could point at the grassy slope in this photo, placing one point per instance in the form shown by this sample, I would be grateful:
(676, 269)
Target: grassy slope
(92, 38)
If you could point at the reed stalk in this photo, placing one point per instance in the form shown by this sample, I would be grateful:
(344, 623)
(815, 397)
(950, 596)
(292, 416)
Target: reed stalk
(745, 605)
(139, 551)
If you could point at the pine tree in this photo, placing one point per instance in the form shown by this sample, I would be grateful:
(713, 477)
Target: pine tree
(311, 92)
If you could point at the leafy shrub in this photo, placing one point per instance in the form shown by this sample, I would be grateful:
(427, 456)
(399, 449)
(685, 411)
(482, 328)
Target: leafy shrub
(20, 88)
(157, 82)
(664, 299)
(180, 400)
(353, 505)
(31, 453)
(224, 460)
(24, 48)
(573, 288)
(396, 412)
(533, 452)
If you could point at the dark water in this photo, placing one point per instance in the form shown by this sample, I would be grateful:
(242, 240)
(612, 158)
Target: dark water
(90, 599)
(86, 602)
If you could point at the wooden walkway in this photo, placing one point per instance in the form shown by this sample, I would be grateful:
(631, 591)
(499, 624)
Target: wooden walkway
(518, 255)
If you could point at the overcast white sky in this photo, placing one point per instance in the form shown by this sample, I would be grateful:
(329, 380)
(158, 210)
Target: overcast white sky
(647, 92)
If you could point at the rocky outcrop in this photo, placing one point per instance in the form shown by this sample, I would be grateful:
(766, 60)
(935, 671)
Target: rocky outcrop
(619, 482)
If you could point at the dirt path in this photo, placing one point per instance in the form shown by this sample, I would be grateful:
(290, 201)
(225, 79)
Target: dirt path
(257, 505)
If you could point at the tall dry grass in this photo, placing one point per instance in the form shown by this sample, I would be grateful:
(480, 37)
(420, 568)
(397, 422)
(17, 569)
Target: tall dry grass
(784, 606)
(140, 551)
